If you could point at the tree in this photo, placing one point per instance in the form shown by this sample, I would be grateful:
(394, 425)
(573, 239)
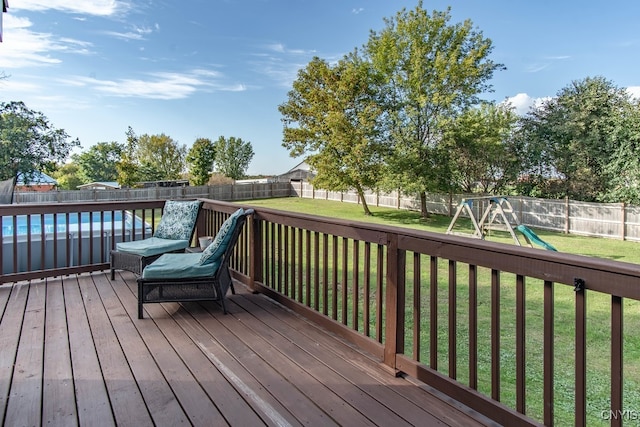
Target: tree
(128, 166)
(233, 156)
(200, 158)
(98, 163)
(624, 165)
(568, 142)
(479, 146)
(68, 176)
(433, 71)
(160, 157)
(332, 116)
(29, 143)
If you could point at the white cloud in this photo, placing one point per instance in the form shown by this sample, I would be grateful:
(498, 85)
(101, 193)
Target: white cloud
(22, 47)
(160, 85)
(634, 91)
(522, 102)
(88, 7)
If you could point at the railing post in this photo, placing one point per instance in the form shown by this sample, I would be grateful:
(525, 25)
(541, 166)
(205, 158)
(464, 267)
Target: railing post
(394, 306)
(255, 252)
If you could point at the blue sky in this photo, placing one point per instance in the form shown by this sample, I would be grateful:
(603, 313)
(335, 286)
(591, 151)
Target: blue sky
(210, 68)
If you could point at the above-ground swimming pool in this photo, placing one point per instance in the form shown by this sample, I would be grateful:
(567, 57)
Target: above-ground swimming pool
(52, 240)
(86, 221)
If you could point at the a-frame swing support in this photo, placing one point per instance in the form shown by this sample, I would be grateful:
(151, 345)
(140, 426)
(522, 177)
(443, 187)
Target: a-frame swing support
(498, 215)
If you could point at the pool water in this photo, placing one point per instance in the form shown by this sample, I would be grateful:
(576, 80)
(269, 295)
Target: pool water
(83, 222)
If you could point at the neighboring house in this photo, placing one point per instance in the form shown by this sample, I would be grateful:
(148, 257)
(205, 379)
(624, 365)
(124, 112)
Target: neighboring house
(38, 181)
(5, 5)
(300, 172)
(111, 185)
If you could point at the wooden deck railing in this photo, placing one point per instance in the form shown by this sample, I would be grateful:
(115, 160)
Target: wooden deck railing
(66, 238)
(524, 336)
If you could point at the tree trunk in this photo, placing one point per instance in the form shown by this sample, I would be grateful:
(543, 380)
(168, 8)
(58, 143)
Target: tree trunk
(423, 205)
(360, 192)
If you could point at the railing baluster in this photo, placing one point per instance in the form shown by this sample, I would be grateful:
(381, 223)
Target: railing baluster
(15, 244)
(334, 281)
(355, 286)
(308, 266)
(433, 313)
(274, 237)
(325, 274)
(495, 335)
(581, 358)
(285, 259)
(294, 275)
(300, 267)
(345, 278)
(29, 242)
(43, 246)
(366, 297)
(473, 327)
(453, 326)
(379, 291)
(416, 306)
(520, 345)
(316, 270)
(548, 337)
(617, 366)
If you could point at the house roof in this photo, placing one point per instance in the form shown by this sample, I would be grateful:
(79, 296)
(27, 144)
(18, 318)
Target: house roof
(36, 178)
(102, 185)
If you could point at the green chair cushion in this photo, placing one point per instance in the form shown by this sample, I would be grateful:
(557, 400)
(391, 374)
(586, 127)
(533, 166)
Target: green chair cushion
(152, 246)
(179, 266)
(214, 251)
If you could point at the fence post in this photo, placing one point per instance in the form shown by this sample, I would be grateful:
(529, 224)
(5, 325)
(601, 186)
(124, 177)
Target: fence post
(568, 214)
(623, 226)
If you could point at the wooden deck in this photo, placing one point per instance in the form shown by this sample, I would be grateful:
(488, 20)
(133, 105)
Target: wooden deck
(74, 353)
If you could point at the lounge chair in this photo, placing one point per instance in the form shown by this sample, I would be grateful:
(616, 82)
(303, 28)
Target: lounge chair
(173, 234)
(194, 276)
(7, 188)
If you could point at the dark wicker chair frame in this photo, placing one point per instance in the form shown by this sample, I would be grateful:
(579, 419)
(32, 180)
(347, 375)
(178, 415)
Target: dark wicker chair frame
(210, 288)
(134, 262)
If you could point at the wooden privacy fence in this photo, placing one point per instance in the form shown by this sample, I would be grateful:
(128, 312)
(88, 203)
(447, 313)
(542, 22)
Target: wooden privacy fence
(229, 192)
(612, 220)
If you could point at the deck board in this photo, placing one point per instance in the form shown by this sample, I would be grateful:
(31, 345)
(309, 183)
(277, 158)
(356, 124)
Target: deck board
(82, 357)
(58, 403)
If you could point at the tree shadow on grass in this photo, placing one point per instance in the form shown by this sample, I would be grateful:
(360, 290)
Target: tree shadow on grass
(437, 223)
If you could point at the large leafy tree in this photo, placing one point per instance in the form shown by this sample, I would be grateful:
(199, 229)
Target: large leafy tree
(332, 116)
(200, 159)
(568, 142)
(99, 162)
(233, 156)
(29, 142)
(160, 157)
(434, 70)
(480, 150)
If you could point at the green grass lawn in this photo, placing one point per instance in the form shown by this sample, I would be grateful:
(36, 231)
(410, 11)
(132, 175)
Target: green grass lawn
(598, 323)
